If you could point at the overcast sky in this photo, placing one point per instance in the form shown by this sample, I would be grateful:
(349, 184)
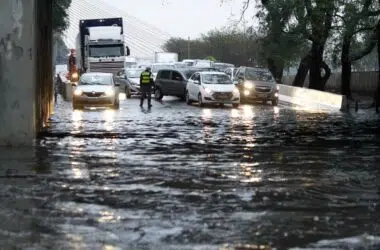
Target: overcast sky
(183, 18)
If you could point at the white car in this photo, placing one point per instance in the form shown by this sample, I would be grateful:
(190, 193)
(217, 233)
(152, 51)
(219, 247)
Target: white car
(210, 87)
(96, 89)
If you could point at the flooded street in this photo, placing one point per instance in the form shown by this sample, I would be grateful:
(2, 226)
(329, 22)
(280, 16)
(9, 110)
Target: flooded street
(184, 177)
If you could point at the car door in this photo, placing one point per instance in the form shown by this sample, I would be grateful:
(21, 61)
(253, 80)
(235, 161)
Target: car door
(178, 84)
(190, 86)
(164, 78)
(195, 86)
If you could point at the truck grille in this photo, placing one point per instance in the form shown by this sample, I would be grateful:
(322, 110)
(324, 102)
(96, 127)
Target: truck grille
(93, 94)
(106, 67)
(222, 95)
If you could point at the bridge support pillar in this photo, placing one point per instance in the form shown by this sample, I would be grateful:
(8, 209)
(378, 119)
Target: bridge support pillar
(17, 73)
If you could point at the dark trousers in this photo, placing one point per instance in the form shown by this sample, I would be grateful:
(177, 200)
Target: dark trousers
(146, 92)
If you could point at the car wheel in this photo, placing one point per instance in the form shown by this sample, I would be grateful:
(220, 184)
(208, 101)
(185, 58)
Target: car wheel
(128, 93)
(200, 100)
(275, 102)
(235, 105)
(158, 94)
(188, 101)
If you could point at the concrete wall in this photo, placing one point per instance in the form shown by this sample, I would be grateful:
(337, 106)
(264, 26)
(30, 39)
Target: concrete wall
(360, 81)
(311, 98)
(17, 79)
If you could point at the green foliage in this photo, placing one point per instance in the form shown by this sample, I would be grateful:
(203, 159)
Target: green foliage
(60, 15)
(230, 46)
(210, 58)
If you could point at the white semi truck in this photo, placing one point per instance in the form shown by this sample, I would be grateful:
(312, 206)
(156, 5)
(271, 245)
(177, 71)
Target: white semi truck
(100, 45)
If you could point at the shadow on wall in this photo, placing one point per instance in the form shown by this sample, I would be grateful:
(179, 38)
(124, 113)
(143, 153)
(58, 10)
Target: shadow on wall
(8, 43)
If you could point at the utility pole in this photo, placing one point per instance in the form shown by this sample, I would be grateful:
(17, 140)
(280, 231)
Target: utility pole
(188, 47)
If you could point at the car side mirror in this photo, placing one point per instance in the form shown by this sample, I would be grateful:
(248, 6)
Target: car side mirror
(128, 50)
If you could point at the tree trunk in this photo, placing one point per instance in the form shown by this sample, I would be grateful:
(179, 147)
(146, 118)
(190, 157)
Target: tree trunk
(302, 70)
(327, 75)
(276, 69)
(316, 66)
(346, 68)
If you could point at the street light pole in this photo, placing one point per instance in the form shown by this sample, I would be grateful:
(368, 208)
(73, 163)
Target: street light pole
(188, 47)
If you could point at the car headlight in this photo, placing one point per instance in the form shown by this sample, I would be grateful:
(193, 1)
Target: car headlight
(277, 87)
(78, 92)
(208, 91)
(235, 91)
(110, 92)
(248, 85)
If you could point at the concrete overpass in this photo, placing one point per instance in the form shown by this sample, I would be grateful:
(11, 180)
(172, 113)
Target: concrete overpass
(26, 90)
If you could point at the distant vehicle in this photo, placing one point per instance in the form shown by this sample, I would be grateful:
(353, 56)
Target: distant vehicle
(130, 62)
(222, 66)
(203, 64)
(210, 87)
(256, 84)
(100, 45)
(165, 57)
(180, 65)
(129, 81)
(171, 82)
(96, 89)
(189, 62)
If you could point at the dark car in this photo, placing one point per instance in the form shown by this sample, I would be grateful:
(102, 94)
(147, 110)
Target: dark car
(171, 82)
(129, 80)
(256, 84)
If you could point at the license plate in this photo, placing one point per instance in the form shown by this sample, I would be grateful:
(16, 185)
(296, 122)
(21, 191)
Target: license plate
(263, 95)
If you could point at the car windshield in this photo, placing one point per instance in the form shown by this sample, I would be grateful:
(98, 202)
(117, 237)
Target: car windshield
(258, 75)
(106, 50)
(216, 79)
(95, 80)
(133, 73)
(156, 68)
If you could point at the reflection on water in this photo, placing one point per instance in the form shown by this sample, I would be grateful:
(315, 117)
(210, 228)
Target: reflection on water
(184, 177)
(109, 116)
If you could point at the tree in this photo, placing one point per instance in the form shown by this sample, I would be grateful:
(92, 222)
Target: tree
(230, 46)
(357, 37)
(280, 43)
(60, 15)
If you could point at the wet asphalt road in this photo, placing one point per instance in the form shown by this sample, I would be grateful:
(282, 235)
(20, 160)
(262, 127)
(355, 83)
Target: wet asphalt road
(184, 177)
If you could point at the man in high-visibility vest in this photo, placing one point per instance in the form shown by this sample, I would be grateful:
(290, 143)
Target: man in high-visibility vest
(146, 82)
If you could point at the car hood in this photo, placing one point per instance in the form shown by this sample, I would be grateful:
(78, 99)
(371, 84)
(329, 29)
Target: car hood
(95, 88)
(134, 80)
(220, 87)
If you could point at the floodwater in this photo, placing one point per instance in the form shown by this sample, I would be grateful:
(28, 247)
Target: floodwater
(184, 177)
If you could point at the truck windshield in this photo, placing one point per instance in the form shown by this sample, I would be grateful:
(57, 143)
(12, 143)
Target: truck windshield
(106, 50)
